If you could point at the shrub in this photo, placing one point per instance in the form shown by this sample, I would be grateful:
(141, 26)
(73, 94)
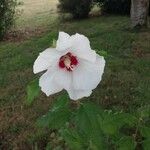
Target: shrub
(121, 7)
(78, 8)
(7, 11)
(116, 6)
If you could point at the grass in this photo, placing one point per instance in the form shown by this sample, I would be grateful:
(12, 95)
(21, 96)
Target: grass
(35, 13)
(125, 84)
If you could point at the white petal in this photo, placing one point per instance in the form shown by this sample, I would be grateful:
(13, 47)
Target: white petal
(48, 84)
(88, 75)
(63, 43)
(63, 78)
(46, 59)
(78, 94)
(81, 47)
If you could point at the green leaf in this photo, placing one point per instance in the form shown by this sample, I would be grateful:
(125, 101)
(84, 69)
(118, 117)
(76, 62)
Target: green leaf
(145, 131)
(88, 125)
(144, 112)
(129, 119)
(48, 146)
(87, 117)
(73, 139)
(53, 43)
(61, 102)
(33, 90)
(146, 144)
(57, 116)
(111, 123)
(102, 53)
(109, 126)
(126, 143)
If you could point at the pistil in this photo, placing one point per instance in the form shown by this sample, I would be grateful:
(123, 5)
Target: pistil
(68, 61)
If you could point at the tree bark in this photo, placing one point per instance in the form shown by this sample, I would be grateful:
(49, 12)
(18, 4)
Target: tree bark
(139, 13)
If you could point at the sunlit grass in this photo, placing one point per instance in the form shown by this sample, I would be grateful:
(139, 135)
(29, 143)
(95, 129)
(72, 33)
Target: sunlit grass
(35, 13)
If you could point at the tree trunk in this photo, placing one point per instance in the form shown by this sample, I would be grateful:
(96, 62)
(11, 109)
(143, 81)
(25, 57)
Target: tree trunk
(139, 13)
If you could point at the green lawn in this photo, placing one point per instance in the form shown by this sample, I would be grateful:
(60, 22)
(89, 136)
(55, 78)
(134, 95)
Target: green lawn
(125, 84)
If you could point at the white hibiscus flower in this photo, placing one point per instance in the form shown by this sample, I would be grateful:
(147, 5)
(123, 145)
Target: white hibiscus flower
(72, 66)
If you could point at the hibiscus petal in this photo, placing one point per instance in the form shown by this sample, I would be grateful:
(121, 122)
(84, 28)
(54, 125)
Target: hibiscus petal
(81, 47)
(48, 84)
(88, 75)
(78, 94)
(63, 78)
(63, 43)
(45, 59)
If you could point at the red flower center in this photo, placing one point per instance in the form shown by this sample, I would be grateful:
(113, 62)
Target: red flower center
(68, 61)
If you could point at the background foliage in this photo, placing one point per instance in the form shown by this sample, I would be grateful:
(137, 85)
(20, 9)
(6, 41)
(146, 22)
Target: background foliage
(78, 8)
(120, 7)
(7, 11)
